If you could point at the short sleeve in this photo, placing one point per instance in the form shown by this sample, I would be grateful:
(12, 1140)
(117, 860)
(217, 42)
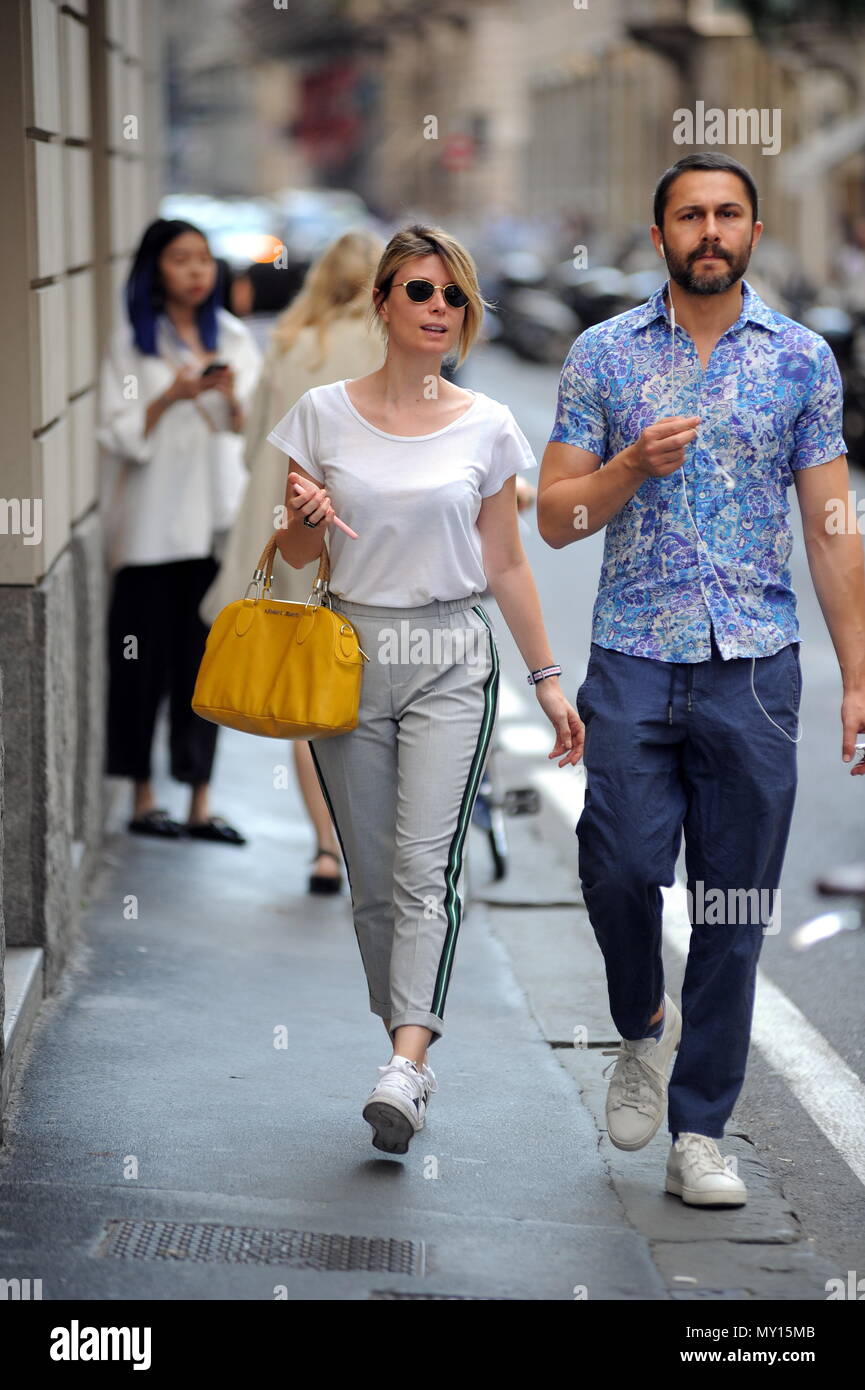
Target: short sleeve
(817, 434)
(580, 416)
(511, 453)
(296, 434)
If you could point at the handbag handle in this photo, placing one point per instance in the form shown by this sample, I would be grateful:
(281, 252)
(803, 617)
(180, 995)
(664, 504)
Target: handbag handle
(264, 568)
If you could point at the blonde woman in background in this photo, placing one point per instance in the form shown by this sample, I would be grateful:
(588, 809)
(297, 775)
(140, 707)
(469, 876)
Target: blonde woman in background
(321, 337)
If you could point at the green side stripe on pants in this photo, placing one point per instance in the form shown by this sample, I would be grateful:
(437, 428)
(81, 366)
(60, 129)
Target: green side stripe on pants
(452, 872)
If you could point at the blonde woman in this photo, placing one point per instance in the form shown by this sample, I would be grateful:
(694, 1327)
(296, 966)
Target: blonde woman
(422, 472)
(321, 336)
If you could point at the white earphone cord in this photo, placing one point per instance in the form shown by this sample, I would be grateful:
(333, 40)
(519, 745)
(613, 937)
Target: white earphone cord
(697, 533)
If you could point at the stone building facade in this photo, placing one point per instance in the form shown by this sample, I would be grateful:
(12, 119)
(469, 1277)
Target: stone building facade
(81, 134)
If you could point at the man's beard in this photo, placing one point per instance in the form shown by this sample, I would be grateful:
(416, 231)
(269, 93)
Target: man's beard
(681, 270)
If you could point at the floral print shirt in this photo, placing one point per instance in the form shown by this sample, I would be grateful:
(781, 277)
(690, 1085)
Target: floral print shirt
(770, 403)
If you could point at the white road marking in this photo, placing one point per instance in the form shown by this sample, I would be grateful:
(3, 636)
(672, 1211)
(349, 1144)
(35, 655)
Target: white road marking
(829, 1090)
(512, 705)
(525, 737)
(565, 787)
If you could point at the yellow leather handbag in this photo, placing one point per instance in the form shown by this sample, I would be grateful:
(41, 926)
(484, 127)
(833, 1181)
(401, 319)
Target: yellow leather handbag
(280, 669)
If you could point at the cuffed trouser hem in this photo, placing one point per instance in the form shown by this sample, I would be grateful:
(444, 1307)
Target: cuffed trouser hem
(185, 779)
(416, 1018)
(676, 1130)
(138, 775)
(680, 1123)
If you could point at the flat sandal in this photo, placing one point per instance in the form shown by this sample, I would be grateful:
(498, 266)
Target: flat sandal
(325, 883)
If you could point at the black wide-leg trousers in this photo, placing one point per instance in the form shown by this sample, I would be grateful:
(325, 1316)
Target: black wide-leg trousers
(155, 644)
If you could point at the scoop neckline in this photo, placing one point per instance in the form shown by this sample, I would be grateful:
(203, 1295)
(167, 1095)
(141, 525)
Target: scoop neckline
(404, 438)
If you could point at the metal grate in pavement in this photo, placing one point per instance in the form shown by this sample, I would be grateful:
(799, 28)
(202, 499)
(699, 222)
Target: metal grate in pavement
(402, 1293)
(449, 1297)
(208, 1241)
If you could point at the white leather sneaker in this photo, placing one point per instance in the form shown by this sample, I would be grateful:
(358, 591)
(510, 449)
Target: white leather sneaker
(637, 1095)
(696, 1173)
(396, 1108)
(431, 1085)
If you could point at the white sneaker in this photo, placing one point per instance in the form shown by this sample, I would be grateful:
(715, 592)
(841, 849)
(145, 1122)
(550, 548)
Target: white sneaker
(637, 1094)
(431, 1085)
(396, 1108)
(696, 1173)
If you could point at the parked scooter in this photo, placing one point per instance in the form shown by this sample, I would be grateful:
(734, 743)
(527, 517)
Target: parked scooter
(846, 883)
(601, 292)
(533, 321)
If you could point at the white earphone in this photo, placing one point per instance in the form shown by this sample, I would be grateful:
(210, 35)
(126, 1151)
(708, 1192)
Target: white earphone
(730, 484)
(729, 480)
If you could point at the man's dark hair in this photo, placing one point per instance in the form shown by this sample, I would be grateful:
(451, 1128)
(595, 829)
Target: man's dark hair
(705, 159)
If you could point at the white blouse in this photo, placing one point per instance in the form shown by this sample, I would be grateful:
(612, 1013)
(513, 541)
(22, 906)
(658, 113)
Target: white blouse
(413, 500)
(172, 494)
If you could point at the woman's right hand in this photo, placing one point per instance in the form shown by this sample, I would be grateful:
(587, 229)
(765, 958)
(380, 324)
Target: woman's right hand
(185, 387)
(187, 384)
(313, 502)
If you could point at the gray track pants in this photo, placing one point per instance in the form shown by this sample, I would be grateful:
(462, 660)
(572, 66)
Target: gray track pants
(401, 787)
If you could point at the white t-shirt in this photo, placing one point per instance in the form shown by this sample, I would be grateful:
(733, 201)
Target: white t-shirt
(413, 500)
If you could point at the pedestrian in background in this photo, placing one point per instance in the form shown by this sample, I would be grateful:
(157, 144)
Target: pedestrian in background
(174, 385)
(422, 472)
(321, 337)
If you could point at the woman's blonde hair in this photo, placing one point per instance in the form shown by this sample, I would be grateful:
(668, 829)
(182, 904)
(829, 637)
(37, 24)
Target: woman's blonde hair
(419, 240)
(337, 285)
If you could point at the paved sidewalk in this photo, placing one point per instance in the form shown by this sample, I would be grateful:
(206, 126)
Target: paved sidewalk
(152, 1091)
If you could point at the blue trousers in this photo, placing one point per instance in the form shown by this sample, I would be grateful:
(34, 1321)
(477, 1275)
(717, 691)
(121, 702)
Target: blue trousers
(673, 747)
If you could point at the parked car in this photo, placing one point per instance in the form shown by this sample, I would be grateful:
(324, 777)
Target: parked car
(239, 230)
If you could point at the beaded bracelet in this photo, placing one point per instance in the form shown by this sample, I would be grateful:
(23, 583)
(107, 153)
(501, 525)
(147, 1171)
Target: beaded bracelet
(542, 673)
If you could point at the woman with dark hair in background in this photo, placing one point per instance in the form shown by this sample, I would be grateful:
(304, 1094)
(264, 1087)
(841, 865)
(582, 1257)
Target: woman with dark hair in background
(174, 387)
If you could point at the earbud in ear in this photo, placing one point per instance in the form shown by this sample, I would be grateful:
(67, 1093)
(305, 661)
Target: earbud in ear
(663, 252)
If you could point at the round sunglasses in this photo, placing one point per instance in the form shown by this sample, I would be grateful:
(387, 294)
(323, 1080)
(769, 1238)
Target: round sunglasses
(419, 291)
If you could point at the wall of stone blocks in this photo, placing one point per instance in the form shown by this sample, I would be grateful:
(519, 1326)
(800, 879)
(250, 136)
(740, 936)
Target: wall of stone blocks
(80, 146)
